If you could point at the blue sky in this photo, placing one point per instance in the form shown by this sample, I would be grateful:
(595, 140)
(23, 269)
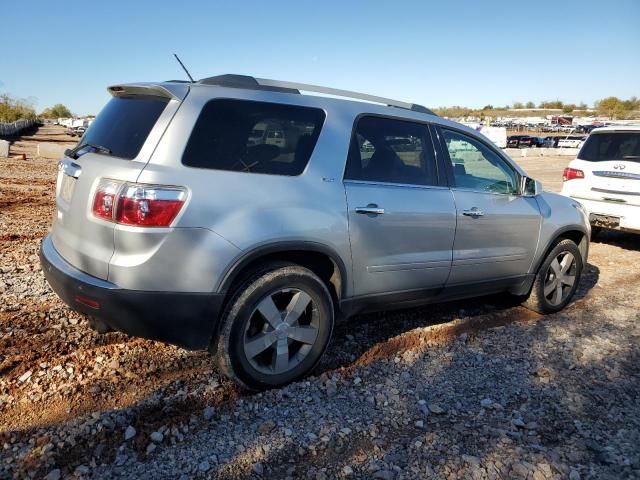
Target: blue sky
(438, 54)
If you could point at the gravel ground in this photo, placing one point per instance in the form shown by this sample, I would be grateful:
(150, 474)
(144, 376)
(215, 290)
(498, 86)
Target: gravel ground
(475, 389)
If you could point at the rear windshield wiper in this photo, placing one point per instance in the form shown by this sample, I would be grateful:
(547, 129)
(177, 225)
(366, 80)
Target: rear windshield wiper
(75, 152)
(631, 157)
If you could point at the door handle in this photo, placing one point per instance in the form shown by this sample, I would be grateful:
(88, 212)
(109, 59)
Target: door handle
(371, 209)
(473, 212)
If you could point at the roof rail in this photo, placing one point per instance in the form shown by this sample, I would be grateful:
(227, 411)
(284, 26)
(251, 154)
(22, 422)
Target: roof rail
(245, 81)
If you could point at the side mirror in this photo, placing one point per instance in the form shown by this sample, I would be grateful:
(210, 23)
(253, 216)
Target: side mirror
(530, 187)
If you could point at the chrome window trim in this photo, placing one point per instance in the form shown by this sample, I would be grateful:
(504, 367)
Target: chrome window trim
(391, 184)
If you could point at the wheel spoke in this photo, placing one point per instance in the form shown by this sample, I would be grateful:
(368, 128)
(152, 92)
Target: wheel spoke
(259, 343)
(270, 312)
(306, 335)
(550, 287)
(568, 280)
(555, 266)
(557, 296)
(566, 263)
(296, 307)
(281, 360)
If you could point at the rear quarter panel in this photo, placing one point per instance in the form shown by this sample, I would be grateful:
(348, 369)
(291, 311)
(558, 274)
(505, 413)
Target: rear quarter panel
(250, 211)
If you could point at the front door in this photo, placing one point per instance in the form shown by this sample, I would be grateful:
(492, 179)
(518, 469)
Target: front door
(497, 228)
(401, 221)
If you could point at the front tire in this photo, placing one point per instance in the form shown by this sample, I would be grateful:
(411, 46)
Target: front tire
(557, 279)
(276, 327)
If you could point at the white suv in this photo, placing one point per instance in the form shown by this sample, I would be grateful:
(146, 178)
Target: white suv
(605, 178)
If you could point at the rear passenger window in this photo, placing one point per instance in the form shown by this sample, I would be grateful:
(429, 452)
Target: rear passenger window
(253, 137)
(391, 151)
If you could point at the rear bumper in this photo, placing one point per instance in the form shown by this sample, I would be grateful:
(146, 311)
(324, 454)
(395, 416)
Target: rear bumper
(629, 215)
(184, 319)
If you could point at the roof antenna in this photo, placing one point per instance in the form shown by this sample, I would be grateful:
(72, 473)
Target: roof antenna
(184, 68)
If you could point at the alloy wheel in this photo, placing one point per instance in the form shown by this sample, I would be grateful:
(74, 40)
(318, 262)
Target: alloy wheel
(560, 277)
(281, 331)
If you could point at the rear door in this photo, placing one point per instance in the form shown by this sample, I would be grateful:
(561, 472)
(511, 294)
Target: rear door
(497, 229)
(116, 146)
(401, 220)
(611, 165)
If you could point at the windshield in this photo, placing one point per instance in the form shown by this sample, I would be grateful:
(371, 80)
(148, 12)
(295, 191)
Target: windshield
(124, 124)
(602, 147)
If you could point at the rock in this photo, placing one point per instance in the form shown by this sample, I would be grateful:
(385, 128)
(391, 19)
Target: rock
(347, 470)
(517, 422)
(357, 381)
(208, 413)
(24, 377)
(383, 475)
(419, 424)
(129, 433)
(204, 466)
(574, 475)
(435, 408)
(156, 437)
(53, 475)
(486, 402)
(150, 448)
(266, 427)
(257, 468)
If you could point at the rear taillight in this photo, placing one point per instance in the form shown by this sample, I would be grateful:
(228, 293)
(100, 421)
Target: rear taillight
(138, 204)
(149, 206)
(104, 200)
(572, 174)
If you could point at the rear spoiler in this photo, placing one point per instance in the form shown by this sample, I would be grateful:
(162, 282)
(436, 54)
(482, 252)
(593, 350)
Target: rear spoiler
(177, 91)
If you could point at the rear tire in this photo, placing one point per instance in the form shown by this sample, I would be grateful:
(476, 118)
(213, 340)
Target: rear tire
(557, 279)
(276, 327)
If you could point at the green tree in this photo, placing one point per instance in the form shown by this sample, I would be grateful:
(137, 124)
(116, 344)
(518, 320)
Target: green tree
(568, 107)
(57, 111)
(612, 107)
(551, 104)
(530, 104)
(14, 109)
(517, 105)
(487, 107)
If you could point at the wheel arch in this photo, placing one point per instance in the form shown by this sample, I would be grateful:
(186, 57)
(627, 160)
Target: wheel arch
(319, 258)
(575, 233)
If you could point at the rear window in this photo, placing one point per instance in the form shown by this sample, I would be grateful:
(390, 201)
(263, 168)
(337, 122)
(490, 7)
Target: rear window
(253, 137)
(124, 124)
(601, 147)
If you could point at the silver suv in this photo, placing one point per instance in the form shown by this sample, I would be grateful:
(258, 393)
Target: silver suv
(237, 215)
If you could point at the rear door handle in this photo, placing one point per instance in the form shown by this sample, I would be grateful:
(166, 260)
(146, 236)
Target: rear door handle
(371, 209)
(473, 212)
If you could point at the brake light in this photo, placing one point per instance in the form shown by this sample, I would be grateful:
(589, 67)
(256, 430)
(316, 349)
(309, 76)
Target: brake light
(572, 174)
(149, 206)
(137, 204)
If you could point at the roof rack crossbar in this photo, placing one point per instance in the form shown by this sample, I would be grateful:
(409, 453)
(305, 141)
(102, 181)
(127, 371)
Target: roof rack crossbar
(342, 93)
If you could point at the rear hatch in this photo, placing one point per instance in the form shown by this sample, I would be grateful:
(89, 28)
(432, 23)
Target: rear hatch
(117, 146)
(611, 165)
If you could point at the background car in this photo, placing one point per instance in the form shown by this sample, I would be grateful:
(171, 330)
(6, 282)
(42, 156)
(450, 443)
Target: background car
(605, 178)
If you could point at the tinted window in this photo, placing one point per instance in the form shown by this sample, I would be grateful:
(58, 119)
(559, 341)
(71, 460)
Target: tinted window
(394, 151)
(477, 167)
(253, 137)
(124, 124)
(601, 147)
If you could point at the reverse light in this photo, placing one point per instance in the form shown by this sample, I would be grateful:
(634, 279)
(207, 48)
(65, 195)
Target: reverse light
(138, 204)
(572, 174)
